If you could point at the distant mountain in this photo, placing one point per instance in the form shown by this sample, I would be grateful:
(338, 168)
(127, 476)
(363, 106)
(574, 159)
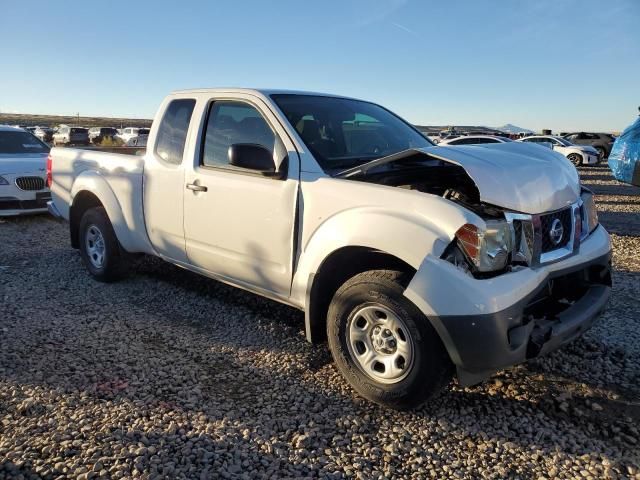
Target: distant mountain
(509, 128)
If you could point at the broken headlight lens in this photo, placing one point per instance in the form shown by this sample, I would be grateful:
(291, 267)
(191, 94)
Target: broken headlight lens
(488, 250)
(589, 213)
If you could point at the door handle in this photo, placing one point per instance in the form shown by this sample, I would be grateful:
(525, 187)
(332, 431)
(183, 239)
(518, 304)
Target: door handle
(196, 188)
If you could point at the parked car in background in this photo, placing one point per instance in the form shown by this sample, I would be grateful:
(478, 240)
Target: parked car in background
(602, 142)
(131, 132)
(410, 258)
(475, 140)
(441, 138)
(577, 154)
(44, 133)
(23, 159)
(98, 134)
(71, 136)
(139, 141)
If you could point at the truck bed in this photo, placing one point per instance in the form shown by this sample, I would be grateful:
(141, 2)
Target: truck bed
(137, 151)
(115, 178)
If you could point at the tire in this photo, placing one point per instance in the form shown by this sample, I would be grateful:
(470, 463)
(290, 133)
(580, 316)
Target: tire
(575, 158)
(100, 250)
(420, 365)
(602, 153)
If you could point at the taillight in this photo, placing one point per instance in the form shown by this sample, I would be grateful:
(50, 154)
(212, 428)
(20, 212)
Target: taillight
(49, 172)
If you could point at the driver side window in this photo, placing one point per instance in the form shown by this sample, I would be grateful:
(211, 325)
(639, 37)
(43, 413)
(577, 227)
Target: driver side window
(232, 122)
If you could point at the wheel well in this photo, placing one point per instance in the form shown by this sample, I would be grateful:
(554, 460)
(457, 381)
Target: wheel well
(336, 269)
(82, 202)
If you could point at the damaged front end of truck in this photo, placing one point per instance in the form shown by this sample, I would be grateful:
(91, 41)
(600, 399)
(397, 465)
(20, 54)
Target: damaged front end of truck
(533, 275)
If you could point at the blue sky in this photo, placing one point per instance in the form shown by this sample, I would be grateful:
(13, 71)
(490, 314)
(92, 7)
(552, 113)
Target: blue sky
(561, 64)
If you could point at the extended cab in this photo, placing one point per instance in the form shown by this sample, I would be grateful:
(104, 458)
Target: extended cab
(412, 260)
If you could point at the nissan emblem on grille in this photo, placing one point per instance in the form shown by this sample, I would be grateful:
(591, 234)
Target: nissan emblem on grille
(556, 231)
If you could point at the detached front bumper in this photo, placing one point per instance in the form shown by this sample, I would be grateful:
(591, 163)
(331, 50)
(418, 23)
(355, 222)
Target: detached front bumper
(487, 325)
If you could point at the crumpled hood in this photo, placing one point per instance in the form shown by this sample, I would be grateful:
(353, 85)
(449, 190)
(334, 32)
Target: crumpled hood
(525, 178)
(26, 163)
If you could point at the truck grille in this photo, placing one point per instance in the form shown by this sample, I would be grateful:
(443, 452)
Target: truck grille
(544, 238)
(30, 183)
(556, 229)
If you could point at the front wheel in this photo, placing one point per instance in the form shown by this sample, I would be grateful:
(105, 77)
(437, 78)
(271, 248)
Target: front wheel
(601, 154)
(575, 158)
(100, 250)
(382, 344)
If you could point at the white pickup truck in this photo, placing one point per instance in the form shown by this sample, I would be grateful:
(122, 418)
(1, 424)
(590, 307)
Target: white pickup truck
(412, 260)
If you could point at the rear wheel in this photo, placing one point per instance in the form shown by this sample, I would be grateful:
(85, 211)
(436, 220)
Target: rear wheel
(382, 344)
(575, 158)
(100, 250)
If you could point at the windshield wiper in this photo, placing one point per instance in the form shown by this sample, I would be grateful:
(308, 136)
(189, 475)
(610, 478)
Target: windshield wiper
(365, 167)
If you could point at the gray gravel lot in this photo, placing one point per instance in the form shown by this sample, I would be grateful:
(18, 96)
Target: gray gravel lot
(168, 374)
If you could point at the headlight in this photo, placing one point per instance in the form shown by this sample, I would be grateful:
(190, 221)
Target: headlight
(488, 250)
(589, 213)
(3, 181)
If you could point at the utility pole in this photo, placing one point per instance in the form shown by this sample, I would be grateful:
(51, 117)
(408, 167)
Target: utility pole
(78, 114)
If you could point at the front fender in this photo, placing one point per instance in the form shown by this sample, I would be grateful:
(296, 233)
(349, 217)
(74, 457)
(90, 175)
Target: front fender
(408, 235)
(128, 226)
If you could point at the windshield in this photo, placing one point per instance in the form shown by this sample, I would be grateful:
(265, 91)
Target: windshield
(21, 142)
(343, 133)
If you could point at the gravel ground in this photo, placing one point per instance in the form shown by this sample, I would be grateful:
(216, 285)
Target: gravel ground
(169, 374)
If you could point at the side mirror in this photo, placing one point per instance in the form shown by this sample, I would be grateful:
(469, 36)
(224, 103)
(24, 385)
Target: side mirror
(252, 157)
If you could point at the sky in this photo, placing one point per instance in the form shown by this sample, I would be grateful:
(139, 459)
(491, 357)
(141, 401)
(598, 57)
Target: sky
(559, 64)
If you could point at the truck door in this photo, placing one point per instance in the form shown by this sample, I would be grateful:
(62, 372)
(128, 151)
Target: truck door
(164, 180)
(238, 223)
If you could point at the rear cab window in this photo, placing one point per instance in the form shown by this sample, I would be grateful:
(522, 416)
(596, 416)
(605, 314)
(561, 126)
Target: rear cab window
(172, 131)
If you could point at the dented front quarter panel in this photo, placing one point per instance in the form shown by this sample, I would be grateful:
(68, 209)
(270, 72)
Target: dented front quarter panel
(339, 213)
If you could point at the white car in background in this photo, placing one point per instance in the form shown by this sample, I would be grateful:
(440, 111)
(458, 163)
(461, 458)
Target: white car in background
(23, 161)
(475, 140)
(137, 141)
(132, 132)
(577, 154)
